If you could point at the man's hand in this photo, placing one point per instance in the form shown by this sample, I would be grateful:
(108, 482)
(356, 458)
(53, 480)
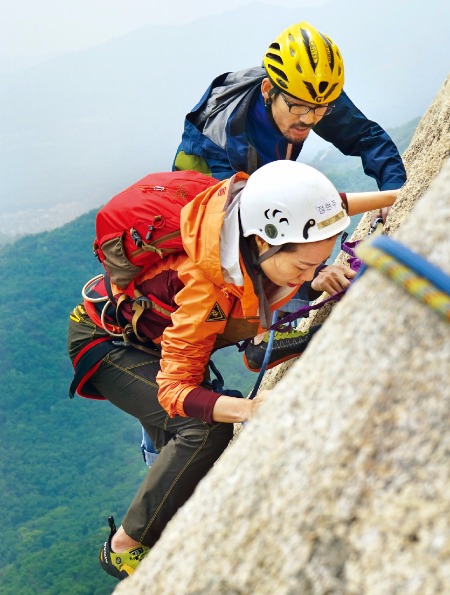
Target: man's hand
(381, 214)
(333, 278)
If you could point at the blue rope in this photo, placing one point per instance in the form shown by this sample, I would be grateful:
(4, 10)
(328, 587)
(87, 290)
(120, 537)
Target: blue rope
(414, 261)
(266, 357)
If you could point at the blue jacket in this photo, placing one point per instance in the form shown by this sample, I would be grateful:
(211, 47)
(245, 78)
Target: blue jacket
(229, 131)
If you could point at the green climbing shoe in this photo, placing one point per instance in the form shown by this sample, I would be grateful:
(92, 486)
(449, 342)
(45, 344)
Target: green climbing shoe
(286, 345)
(120, 565)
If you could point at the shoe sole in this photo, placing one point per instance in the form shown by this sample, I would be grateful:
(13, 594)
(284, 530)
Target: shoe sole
(111, 569)
(273, 364)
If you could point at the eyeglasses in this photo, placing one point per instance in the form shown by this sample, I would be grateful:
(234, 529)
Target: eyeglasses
(298, 109)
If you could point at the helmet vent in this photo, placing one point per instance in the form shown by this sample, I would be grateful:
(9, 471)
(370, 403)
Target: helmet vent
(274, 213)
(299, 68)
(275, 58)
(274, 46)
(280, 74)
(270, 229)
(282, 84)
(330, 90)
(311, 90)
(323, 87)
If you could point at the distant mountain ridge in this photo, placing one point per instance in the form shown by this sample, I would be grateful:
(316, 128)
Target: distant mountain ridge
(345, 172)
(79, 127)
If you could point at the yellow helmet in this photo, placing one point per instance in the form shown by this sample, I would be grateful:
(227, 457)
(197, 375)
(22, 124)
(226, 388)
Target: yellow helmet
(306, 64)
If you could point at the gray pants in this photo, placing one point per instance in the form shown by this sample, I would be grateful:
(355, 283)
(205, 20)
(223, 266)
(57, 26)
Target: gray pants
(189, 447)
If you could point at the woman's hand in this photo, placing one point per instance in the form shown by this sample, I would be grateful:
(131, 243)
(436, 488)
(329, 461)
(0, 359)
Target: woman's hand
(236, 410)
(333, 278)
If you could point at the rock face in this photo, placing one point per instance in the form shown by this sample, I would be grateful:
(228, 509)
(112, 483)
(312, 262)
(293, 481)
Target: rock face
(341, 483)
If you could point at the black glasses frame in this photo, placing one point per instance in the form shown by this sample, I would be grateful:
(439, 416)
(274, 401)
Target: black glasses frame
(305, 109)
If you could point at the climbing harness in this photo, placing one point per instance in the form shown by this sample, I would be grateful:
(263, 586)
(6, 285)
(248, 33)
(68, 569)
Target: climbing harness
(415, 274)
(113, 331)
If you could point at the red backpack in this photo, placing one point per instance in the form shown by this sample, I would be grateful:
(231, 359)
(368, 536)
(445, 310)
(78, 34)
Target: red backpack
(141, 224)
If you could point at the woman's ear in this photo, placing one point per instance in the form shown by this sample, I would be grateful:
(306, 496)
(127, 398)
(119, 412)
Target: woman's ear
(261, 245)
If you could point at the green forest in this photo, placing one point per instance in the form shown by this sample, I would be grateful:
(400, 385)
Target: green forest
(67, 464)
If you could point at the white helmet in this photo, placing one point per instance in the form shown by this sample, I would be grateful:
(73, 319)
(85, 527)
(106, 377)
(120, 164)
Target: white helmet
(286, 201)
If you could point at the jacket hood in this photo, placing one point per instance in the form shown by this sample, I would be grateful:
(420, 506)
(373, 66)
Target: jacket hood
(223, 101)
(201, 224)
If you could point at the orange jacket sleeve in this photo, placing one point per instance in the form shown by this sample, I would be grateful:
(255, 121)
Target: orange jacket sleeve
(188, 342)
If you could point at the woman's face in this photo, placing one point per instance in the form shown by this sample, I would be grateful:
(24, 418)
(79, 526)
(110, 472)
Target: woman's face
(294, 268)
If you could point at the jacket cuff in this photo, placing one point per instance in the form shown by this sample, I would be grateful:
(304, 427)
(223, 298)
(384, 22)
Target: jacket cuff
(199, 403)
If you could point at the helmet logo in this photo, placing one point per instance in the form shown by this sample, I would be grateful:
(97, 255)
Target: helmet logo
(312, 92)
(271, 231)
(329, 50)
(319, 98)
(314, 52)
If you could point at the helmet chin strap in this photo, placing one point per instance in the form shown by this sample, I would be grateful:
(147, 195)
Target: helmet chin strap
(252, 264)
(267, 254)
(265, 314)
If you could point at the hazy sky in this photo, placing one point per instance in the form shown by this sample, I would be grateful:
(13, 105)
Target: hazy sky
(51, 117)
(31, 30)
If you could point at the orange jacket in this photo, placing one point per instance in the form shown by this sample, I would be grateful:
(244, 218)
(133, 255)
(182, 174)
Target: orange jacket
(208, 312)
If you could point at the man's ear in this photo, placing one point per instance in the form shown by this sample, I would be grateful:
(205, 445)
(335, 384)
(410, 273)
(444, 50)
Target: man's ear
(266, 86)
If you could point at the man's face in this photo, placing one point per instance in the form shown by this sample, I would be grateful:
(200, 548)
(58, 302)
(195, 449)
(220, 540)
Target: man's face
(294, 128)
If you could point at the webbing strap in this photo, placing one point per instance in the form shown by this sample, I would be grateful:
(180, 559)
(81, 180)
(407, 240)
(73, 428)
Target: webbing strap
(304, 311)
